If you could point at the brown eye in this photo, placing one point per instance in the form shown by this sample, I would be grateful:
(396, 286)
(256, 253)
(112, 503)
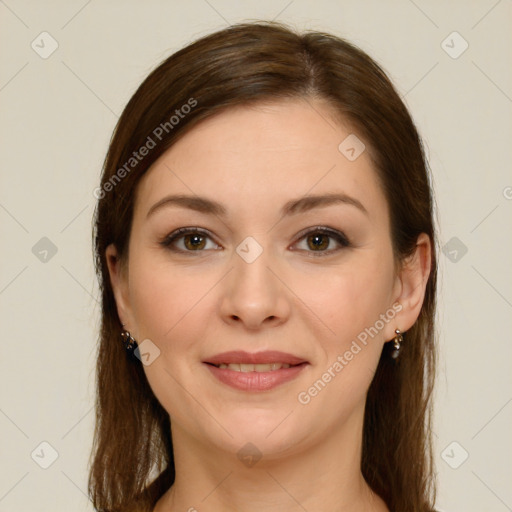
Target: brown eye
(322, 241)
(194, 240)
(318, 241)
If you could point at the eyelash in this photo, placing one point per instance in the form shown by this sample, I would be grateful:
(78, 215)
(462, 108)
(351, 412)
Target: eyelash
(336, 235)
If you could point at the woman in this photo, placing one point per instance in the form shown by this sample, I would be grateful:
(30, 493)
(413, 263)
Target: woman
(267, 258)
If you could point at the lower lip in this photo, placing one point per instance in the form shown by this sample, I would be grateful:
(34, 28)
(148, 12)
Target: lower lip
(256, 381)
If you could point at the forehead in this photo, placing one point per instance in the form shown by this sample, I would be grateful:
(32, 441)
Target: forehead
(263, 155)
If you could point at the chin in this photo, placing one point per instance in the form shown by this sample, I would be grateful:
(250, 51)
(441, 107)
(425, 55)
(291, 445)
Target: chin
(265, 429)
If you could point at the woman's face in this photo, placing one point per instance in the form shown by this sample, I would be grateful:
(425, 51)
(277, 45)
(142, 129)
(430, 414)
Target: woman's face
(259, 275)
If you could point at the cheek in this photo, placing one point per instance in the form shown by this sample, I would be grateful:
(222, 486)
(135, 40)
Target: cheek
(350, 303)
(170, 303)
(349, 298)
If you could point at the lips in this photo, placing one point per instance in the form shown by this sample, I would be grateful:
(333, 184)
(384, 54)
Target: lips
(268, 357)
(261, 371)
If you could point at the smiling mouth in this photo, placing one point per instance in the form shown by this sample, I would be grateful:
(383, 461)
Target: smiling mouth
(257, 375)
(260, 368)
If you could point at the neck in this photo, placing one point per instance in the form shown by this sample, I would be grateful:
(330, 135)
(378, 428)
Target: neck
(324, 475)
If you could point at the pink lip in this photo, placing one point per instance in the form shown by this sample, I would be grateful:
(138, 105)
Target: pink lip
(266, 357)
(256, 381)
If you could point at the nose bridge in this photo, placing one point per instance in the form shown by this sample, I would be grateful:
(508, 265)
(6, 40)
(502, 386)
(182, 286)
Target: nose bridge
(253, 292)
(251, 275)
(251, 265)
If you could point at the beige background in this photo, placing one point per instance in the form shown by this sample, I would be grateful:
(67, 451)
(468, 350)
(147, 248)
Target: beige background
(58, 114)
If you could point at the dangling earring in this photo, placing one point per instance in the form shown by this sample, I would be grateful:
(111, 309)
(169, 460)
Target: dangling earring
(129, 342)
(396, 344)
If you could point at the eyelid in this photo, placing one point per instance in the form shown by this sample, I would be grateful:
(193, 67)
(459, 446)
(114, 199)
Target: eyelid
(338, 236)
(334, 233)
(179, 233)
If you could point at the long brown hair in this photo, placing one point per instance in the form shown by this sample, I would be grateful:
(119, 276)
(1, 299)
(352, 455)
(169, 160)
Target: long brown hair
(132, 457)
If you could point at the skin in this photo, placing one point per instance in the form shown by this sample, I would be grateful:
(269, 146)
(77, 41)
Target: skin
(191, 306)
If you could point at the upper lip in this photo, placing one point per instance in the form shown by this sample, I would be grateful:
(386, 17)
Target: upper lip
(266, 357)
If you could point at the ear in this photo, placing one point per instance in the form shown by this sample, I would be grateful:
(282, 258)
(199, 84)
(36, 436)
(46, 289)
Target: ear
(411, 285)
(119, 280)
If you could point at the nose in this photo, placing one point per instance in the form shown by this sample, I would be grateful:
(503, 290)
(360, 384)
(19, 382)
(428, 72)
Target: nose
(254, 293)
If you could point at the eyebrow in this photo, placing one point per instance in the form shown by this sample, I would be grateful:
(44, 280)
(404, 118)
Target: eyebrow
(292, 207)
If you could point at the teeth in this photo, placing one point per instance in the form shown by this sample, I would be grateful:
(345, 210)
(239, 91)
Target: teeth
(254, 367)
